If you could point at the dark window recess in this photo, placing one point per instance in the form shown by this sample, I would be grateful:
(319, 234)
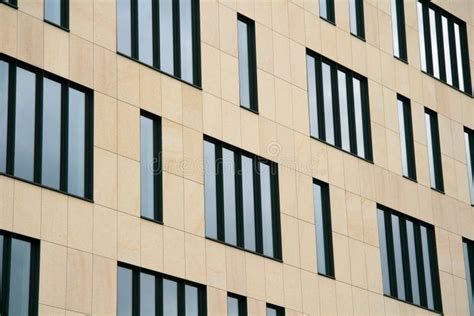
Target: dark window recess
(398, 29)
(163, 34)
(57, 12)
(144, 292)
(338, 106)
(468, 247)
(236, 305)
(443, 46)
(322, 216)
(241, 199)
(469, 143)
(273, 310)
(247, 63)
(151, 187)
(19, 267)
(326, 10)
(356, 10)
(406, 137)
(409, 259)
(13, 3)
(434, 150)
(47, 129)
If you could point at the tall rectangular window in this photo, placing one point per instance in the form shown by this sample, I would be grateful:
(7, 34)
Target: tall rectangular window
(469, 143)
(241, 199)
(151, 201)
(468, 247)
(273, 310)
(145, 292)
(10, 2)
(406, 137)
(444, 46)
(322, 217)
(338, 106)
(409, 259)
(326, 10)
(434, 150)
(163, 34)
(356, 10)
(47, 124)
(247, 63)
(236, 305)
(398, 29)
(57, 12)
(19, 274)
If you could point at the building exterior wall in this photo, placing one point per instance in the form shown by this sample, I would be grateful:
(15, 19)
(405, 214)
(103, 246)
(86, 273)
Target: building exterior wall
(81, 242)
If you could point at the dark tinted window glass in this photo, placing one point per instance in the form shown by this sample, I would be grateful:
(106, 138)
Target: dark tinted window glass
(145, 31)
(170, 298)
(230, 215)
(322, 218)
(356, 10)
(147, 178)
(273, 310)
(124, 27)
(3, 114)
(468, 248)
(56, 11)
(124, 289)
(406, 138)
(186, 39)
(248, 202)
(328, 107)
(247, 63)
(469, 143)
(383, 251)
(19, 277)
(147, 294)
(192, 300)
(76, 142)
(267, 213)
(232, 306)
(312, 97)
(166, 36)
(398, 28)
(326, 9)
(434, 150)
(210, 187)
(343, 111)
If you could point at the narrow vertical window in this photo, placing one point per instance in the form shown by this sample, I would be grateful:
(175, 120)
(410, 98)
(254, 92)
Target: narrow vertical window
(170, 298)
(459, 59)
(406, 137)
(148, 294)
(267, 209)
(248, 202)
(434, 150)
(247, 63)
(344, 111)
(469, 143)
(230, 212)
(312, 97)
(150, 167)
(192, 300)
(145, 31)
(421, 33)
(326, 10)
(166, 36)
(236, 305)
(186, 39)
(322, 216)
(273, 310)
(124, 27)
(359, 117)
(328, 105)
(434, 42)
(125, 288)
(398, 29)
(57, 12)
(446, 50)
(11, 2)
(468, 248)
(4, 72)
(210, 194)
(356, 9)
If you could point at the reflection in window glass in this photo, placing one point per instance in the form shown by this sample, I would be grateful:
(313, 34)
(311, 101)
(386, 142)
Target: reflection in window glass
(267, 218)
(19, 296)
(468, 248)
(427, 267)
(343, 111)
(320, 245)
(51, 142)
(147, 294)
(403, 144)
(328, 110)
(76, 142)
(396, 46)
(430, 149)
(457, 39)
(244, 75)
(186, 39)
(469, 143)
(166, 36)
(447, 50)
(232, 306)
(413, 262)
(434, 43)
(210, 188)
(312, 96)
(25, 124)
(3, 114)
(170, 298)
(124, 295)
(421, 32)
(359, 117)
(248, 203)
(192, 301)
(52, 11)
(383, 251)
(145, 31)
(397, 246)
(124, 27)
(230, 216)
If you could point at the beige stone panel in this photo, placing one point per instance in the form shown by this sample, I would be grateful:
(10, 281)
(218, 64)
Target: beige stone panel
(328, 44)
(374, 269)
(360, 300)
(81, 18)
(268, 138)
(105, 178)
(256, 307)
(249, 129)
(211, 70)
(327, 296)
(419, 130)
(192, 107)
(216, 264)
(105, 232)
(296, 23)
(335, 169)
(411, 16)
(263, 12)
(338, 210)
(344, 299)
(292, 281)
(172, 99)
(341, 9)
(81, 61)
(449, 175)
(30, 39)
(394, 152)
(212, 115)
(359, 55)
(416, 89)
(193, 155)
(379, 145)
(351, 173)
(355, 225)
(388, 73)
(300, 111)
(151, 249)
(376, 304)
(172, 150)
(105, 125)
(447, 293)
(45, 310)
(246, 8)
(27, 209)
(367, 182)
(71, 313)
(466, 221)
(228, 30)
(173, 203)
(231, 124)
(128, 80)
(358, 264)
(344, 49)
(210, 22)
(341, 258)
(310, 293)
(104, 283)
(374, 72)
(409, 202)
(307, 236)
(255, 276)
(174, 261)
(393, 307)
(264, 45)
(80, 224)
(385, 32)
(230, 78)
(150, 90)
(287, 184)
(194, 208)
(460, 294)
(54, 215)
(298, 64)
(446, 136)
(216, 302)
(128, 239)
(128, 187)
(280, 16)
(459, 148)
(105, 24)
(274, 284)
(422, 168)
(445, 212)
(105, 71)
(53, 275)
(236, 271)
(195, 256)
(304, 193)
(285, 153)
(281, 57)
(284, 108)
(369, 216)
(319, 161)
(56, 51)
(266, 95)
(429, 92)
(290, 240)
(402, 81)
(371, 26)
(457, 255)
(390, 109)
(9, 25)
(79, 281)
(313, 31)
(302, 154)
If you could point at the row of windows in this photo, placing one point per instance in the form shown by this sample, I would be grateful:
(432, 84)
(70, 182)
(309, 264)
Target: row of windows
(356, 14)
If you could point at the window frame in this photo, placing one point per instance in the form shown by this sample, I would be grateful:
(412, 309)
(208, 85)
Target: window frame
(34, 271)
(469, 136)
(409, 138)
(365, 106)
(401, 39)
(220, 211)
(436, 150)
(241, 301)
(280, 311)
(331, 12)
(196, 40)
(469, 264)
(64, 15)
(10, 3)
(359, 19)
(40, 74)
